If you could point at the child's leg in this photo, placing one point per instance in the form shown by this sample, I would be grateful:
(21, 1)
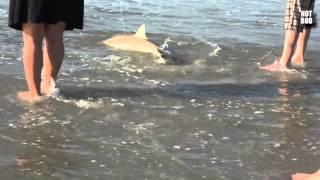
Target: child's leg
(298, 57)
(292, 27)
(289, 46)
(53, 54)
(32, 59)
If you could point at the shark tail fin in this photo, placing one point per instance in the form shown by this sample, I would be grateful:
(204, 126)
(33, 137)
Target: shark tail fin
(141, 33)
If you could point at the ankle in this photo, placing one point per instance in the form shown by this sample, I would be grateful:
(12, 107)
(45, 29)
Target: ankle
(298, 58)
(48, 80)
(34, 93)
(283, 63)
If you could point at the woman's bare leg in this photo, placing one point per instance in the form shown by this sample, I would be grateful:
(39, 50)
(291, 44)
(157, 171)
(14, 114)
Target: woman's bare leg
(53, 55)
(32, 60)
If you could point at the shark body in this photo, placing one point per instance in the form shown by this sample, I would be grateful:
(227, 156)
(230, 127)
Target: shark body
(137, 42)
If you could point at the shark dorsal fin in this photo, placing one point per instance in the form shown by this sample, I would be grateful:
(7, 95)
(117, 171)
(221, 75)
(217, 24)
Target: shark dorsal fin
(141, 33)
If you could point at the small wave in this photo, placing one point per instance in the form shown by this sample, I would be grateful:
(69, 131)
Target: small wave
(215, 49)
(7, 138)
(83, 104)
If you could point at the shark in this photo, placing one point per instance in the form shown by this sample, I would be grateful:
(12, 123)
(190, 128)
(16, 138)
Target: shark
(137, 42)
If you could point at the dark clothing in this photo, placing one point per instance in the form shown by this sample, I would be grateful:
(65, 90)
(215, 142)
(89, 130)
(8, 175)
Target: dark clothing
(47, 12)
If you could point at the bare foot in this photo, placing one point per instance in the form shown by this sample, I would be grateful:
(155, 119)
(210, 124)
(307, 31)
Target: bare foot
(275, 67)
(315, 176)
(27, 96)
(302, 176)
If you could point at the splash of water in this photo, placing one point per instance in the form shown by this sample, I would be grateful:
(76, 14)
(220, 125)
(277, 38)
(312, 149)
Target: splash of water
(165, 44)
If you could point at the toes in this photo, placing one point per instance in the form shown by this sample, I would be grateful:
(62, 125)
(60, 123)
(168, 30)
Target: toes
(28, 97)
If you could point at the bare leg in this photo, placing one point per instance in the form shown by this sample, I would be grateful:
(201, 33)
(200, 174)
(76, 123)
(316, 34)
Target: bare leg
(53, 55)
(284, 62)
(32, 59)
(298, 57)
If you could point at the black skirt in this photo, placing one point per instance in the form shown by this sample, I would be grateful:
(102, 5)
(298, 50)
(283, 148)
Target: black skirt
(47, 12)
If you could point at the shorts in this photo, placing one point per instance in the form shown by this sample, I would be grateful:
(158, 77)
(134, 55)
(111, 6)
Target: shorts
(292, 20)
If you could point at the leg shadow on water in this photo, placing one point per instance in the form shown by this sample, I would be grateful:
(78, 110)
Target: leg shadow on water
(189, 90)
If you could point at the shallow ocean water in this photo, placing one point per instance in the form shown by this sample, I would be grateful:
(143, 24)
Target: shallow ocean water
(210, 113)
